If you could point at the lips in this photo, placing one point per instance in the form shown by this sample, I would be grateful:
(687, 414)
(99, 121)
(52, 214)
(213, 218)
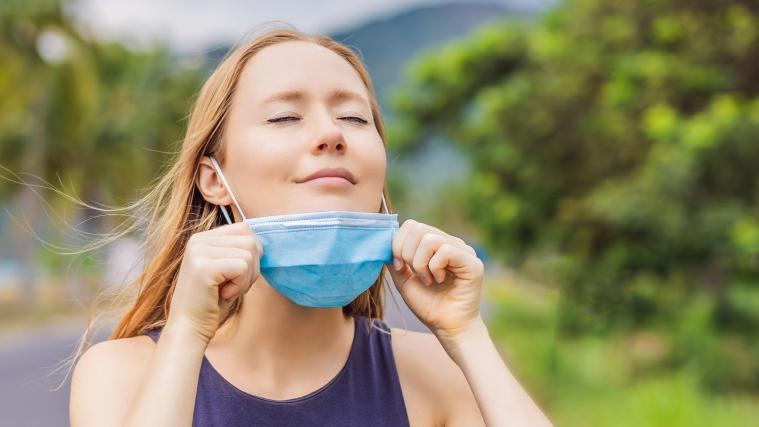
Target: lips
(331, 172)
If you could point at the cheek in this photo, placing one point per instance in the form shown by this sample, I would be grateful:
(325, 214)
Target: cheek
(374, 162)
(264, 160)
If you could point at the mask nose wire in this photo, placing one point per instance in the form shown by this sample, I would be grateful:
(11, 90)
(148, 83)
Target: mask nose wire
(226, 184)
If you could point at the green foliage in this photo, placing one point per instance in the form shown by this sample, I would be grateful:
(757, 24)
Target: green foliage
(101, 118)
(619, 379)
(615, 149)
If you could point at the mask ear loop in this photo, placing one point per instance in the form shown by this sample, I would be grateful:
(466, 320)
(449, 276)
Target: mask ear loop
(384, 205)
(231, 194)
(388, 278)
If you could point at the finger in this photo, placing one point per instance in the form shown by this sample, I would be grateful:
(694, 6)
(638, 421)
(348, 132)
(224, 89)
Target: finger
(400, 236)
(409, 245)
(229, 291)
(233, 270)
(459, 261)
(429, 243)
(216, 252)
(400, 277)
(412, 240)
(254, 268)
(455, 240)
(237, 228)
(250, 243)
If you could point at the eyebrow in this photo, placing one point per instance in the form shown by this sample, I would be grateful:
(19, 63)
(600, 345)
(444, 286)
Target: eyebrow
(336, 96)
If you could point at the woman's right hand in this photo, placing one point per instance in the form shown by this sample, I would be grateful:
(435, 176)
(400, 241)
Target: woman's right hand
(218, 266)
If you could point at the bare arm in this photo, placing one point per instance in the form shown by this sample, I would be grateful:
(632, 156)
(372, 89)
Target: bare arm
(166, 395)
(440, 278)
(500, 397)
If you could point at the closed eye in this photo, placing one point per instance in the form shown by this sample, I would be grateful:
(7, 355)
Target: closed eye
(356, 119)
(286, 119)
(282, 119)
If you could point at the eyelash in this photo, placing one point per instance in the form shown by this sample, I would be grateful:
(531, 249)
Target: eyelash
(282, 119)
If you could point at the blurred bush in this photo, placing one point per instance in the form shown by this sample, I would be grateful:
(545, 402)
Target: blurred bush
(614, 379)
(615, 149)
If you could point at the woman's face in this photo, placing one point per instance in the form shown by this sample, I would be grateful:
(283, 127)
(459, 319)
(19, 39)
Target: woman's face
(300, 108)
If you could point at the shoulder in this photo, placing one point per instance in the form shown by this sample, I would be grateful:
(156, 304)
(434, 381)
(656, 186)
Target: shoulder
(123, 352)
(434, 387)
(105, 379)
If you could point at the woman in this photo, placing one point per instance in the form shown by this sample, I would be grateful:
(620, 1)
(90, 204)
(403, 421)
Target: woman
(209, 341)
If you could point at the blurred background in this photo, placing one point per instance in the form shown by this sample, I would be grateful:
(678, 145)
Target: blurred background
(601, 156)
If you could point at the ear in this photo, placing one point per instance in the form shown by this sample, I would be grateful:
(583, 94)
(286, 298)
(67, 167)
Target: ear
(210, 185)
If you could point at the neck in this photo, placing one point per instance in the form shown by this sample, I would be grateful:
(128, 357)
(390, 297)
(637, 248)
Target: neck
(271, 332)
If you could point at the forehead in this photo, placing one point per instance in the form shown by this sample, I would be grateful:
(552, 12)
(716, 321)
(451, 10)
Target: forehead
(300, 66)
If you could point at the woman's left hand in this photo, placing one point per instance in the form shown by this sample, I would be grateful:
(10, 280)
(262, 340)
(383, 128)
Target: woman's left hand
(440, 278)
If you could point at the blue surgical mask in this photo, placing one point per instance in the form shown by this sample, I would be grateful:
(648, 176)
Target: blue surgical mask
(321, 259)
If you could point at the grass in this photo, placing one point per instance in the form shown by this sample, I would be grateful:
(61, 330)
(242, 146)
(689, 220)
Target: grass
(602, 380)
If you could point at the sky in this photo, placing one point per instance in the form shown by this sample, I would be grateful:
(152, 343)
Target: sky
(193, 25)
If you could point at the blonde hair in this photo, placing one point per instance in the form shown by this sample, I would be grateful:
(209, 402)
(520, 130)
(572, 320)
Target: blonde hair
(174, 209)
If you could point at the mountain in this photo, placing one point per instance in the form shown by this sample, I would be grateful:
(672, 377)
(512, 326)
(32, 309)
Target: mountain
(387, 44)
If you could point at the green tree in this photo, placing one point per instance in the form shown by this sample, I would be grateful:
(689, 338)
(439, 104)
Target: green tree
(93, 118)
(615, 149)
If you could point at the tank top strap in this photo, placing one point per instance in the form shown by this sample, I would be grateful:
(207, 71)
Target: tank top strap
(154, 333)
(373, 349)
(373, 368)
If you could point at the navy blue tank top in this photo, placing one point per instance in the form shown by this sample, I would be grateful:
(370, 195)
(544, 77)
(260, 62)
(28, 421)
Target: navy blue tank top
(365, 392)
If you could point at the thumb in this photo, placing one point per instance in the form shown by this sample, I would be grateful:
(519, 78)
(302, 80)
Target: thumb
(226, 297)
(402, 276)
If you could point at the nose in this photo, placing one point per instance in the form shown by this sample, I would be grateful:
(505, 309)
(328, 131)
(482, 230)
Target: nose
(330, 137)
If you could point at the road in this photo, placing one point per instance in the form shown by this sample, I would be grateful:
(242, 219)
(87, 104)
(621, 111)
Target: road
(27, 359)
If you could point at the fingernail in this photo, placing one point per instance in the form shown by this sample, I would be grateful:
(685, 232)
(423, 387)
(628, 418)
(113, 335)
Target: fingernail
(397, 264)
